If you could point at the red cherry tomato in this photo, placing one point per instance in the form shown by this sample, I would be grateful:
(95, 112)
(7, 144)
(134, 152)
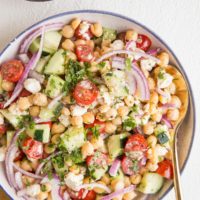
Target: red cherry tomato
(24, 93)
(127, 166)
(91, 195)
(136, 142)
(83, 31)
(84, 53)
(49, 123)
(143, 42)
(85, 92)
(165, 169)
(12, 70)
(98, 158)
(98, 123)
(32, 148)
(3, 129)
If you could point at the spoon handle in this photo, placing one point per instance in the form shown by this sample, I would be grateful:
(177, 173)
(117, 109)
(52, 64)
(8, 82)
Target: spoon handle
(177, 183)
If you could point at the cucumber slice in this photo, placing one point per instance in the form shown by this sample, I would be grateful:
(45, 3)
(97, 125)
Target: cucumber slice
(51, 42)
(56, 64)
(98, 173)
(41, 64)
(151, 183)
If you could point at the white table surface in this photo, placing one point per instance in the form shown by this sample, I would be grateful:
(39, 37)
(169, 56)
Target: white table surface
(176, 21)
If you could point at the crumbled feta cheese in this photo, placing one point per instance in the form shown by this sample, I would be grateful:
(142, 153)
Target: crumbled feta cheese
(107, 98)
(164, 81)
(78, 110)
(117, 105)
(32, 85)
(160, 150)
(73, 181)
(117, 45)
(14, 109)
(2, 153)
(147, 64)
(33, 190)
(1, 119)
(64, 120)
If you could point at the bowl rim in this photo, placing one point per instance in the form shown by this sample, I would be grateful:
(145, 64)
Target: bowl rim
(144, 27)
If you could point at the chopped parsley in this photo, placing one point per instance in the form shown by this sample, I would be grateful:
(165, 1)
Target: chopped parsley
(59, 161)
(57, 110)
(135, 108)
(102, 64)
(129, 123)
(161, 74)
(27, 121)
(43, 188)
(76, 156)
(135, 166)
(95, 131)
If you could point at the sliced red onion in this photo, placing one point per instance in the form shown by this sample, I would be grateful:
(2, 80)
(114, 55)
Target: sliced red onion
(154, 52)
(36, 33)
(66, 196)
(18, 180)
(37, 76)
(24, 58)
(31, 65)
(95, 185)
(118, 62)
(115, 167)
(130, 45)
(136, 53)
(132, 83)
(142, 84)
(168, 105)
(38, 120)
(55, 100)
(143, 161)
(166, 121)
(119, 193)
(27, 173)
(162, 93)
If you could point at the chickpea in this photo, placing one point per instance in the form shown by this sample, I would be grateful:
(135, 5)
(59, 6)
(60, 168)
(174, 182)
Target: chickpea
(154, 97)
(57, 128)
(135, 179)
(110, 127)
(67, 31)
(156, 116)
(106, 179)
(75, 23)
(148, 128)
(88, 118)
(164, 59)
(101, 117)
(152, 108)
(123, 111)
(151, 83)
(40, 99)
(87, 149)
(49, 197)
(42, 196)
(26, 165)
(79, 42)
(152, 166)
(127, 181)
(117, 184)
(23, 103)
(55, 139)
(97, 142)
(111, 114)
(65, 111)
(47, 187)
(117, 121)
(176, 101)
(172, 88)
(77, 121)
(131, 35)
(96, 29)
(34, 164)
(34, 111)
(164, 99)
(7, 86)
(70, 56)
(104, 108)
(129, 196)
(90, 43)
(152, 141)
(49, 148)
(173, 114)
(26, 180)
(129, 101)
(68, 45)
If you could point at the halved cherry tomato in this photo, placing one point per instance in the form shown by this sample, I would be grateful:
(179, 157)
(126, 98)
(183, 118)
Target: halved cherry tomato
(3, 129)
(83, 33)
(84, 53)
(143, 42)
(91, 195)
(136, 142)
(12, 70)
(165, 169)
(24, 93)
(98, 158)
(85, 92)
(98, 123)
(49, 123)
(127, 166)
(32, 148)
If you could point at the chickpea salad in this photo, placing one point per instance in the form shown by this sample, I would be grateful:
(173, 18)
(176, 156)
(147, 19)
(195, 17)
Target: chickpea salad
(87, 113)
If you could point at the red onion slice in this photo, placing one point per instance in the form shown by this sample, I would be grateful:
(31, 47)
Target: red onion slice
(24, 58)
(169, 105)
(117, 62)
(166, 121)
(18, 180)
(115, 167)
(37, 76)
(162, 93)
(154, 52)
(36, 33)
(119, 193)
(38, 120)
(130, 45)
(132, 83)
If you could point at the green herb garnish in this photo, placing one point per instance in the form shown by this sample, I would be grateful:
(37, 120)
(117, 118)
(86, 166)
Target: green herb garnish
(129, 123)
(76, 156)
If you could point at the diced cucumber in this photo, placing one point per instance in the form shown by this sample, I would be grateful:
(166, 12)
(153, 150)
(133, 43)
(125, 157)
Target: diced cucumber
(109, 34)
(9, 137)
(51, 42)
(54, 86)
(41, 64)
(40, 132)
(56, 63)
(1, 89)
(150, 183)
(97, 173)
(15, 120)
(59, 164)
(72, 139)
(162, 138)
(120, 175)
(115, 144)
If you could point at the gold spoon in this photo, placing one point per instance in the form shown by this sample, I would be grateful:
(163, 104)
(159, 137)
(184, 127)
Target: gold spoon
(182, 93)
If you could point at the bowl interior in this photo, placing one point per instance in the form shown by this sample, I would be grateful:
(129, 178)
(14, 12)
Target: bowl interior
(120, 23)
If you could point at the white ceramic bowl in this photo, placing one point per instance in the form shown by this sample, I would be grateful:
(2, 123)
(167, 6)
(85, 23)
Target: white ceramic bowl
(120, 23)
